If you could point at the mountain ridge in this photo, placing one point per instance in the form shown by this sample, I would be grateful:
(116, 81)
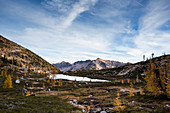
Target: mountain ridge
(96, 64)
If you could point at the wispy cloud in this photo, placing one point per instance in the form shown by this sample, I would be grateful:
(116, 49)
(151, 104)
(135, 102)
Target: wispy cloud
(71, 30)
(78, 8)
(151, 38)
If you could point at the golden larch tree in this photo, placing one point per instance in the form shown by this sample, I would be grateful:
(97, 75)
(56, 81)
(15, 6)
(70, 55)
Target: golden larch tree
(43, 85)
(122, 81)
(8, 82)
(155, 79)
(131, 91)
(48, 80)
(141, 91)
(158, 78)
(137, 78)
(128, 81)
(53, 81)
(2, 73)
(117, 102)
(17, 78)
(168, 86)
(25, 74)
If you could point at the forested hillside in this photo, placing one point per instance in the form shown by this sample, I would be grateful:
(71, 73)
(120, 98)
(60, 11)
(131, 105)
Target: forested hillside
(15, 56)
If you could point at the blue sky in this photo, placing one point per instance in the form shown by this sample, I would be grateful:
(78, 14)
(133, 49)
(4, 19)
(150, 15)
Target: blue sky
(71, 30)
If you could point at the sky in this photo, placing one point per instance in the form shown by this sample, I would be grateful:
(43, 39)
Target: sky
(72, 30)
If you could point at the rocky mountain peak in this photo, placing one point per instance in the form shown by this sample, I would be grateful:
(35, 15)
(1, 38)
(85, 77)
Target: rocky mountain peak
(88, 64)
(99, 59)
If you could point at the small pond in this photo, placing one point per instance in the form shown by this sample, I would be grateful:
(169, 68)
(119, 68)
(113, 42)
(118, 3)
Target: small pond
(67, 77)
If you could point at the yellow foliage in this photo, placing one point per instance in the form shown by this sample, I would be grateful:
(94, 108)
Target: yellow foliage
(168, 86)
(156, 84)
(27, 95)
(53, 81)
(2, 73)
(141, 92)
(54, 71)
(137, 79)
(48, 81)
(8, 82)
(5, 71)
(122, 81)
(43, 85)
(25, 74)
(131, 91)
(117, 102)
(31, 72)
(13, 69)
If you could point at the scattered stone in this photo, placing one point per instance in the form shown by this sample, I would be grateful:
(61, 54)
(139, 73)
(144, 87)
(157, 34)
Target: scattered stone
(98, 109)
(168, 105)
(10, 106)
(133, 102)
(22, 78)
(140, 108)
(90, 95)
(17, 81)
(83, 110)
(103, 112)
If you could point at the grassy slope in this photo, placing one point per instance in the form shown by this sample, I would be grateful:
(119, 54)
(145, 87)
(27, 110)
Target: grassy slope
(13, 101)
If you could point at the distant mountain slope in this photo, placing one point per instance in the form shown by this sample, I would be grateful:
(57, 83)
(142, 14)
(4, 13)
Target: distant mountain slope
(18, 56)
(88, 65)
(127, 71)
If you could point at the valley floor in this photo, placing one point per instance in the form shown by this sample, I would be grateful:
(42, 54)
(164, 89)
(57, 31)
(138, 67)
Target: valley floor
(73, 96)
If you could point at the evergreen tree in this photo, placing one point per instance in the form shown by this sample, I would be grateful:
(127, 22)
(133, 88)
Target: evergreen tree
(152, 55)
(8, 82)
(157, 78)
(116, 65)
(143, 57)
(137, 79)
(2, 73)
(5, 71)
